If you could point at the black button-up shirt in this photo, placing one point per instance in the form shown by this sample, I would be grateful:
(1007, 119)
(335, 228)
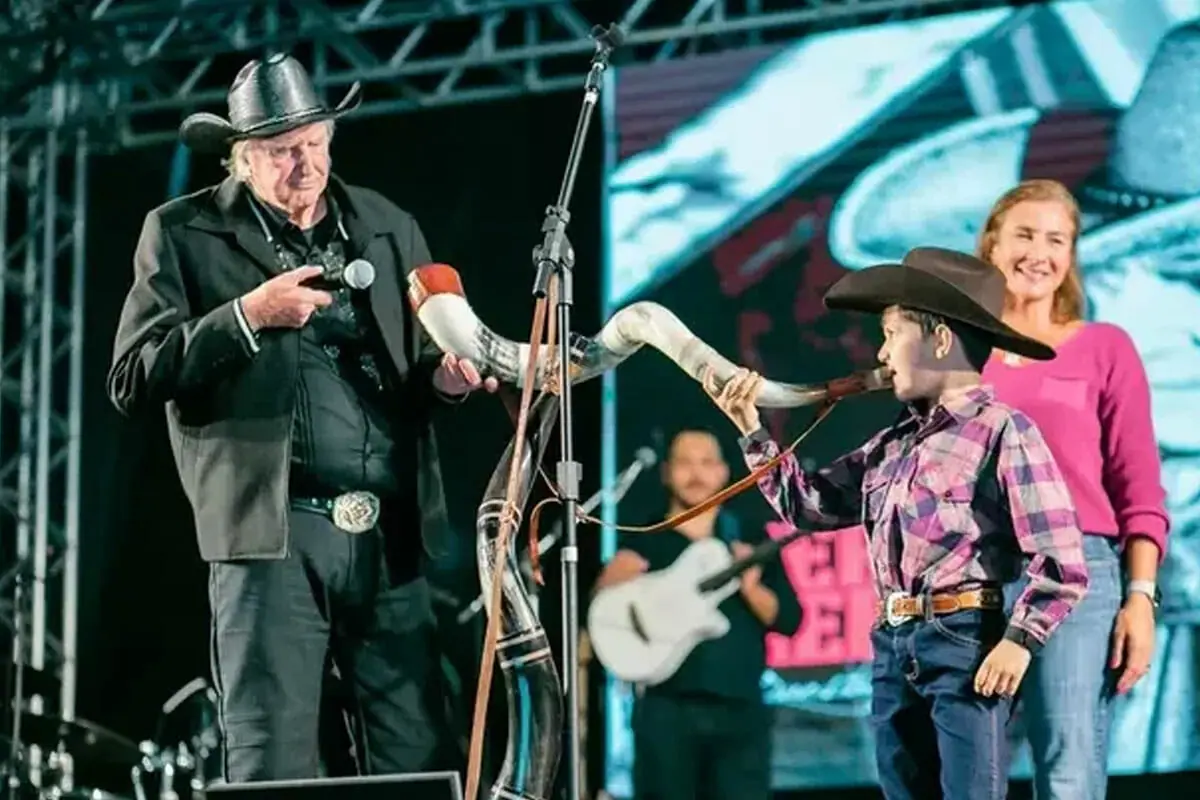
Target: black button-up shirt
(347, 432)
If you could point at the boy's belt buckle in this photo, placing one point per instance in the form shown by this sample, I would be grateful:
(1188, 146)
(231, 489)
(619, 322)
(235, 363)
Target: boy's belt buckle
(889, 609)
(355, 512)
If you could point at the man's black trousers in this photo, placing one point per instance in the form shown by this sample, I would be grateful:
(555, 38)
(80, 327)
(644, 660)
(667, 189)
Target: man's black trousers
(275, 624)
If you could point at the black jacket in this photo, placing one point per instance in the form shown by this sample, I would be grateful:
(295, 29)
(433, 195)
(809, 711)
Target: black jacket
(229, 410)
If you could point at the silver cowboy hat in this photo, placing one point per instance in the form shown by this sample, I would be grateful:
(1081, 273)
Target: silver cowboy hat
(268, 97)
(948, 283)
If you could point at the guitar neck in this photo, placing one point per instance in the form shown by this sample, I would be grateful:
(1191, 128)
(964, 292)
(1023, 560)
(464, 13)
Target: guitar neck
(758, 556)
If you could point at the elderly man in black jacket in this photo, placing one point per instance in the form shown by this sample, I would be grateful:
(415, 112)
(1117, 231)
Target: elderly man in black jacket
(299, 412)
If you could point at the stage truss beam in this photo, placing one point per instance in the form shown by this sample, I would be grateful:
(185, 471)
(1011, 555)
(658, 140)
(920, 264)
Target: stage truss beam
(137, 66)
(43, 188)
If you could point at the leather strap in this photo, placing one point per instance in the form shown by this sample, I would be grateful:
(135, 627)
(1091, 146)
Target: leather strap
(508, 519)
(900, 607)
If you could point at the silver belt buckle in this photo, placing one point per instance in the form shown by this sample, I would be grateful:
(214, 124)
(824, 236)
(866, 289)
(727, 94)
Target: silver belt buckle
(889, 609)
(355, 512)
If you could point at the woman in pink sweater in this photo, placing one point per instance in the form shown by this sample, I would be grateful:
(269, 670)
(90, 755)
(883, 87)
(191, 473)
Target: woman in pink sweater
(1092, 403)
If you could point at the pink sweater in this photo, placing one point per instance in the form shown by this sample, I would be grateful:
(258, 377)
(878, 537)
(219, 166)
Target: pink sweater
(1092, 404)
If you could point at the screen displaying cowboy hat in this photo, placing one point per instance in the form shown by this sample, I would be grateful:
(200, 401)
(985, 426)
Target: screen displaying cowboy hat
(741, 185)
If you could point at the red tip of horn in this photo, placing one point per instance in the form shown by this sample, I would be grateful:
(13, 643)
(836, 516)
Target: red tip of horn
(430, 279)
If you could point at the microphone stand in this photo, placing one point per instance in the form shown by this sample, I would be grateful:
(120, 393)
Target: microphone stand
(613, 493)
(556, 257)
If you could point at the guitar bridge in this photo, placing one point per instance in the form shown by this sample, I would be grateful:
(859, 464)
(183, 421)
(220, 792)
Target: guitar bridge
(635, 622)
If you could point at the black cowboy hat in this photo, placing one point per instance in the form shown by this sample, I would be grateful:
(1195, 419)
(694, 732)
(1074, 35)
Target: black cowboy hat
(268, 97)
(948, 283)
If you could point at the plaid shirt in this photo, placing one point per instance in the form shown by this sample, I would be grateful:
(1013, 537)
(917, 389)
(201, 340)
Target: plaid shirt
(948, 503)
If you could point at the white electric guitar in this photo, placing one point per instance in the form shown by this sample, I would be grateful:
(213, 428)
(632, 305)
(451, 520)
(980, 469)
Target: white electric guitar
(642, 630)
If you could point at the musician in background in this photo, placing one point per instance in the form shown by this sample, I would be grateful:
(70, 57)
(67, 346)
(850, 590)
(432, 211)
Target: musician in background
(706, 731)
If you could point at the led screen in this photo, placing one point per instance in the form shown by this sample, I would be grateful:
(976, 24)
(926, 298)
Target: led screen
(741, 185)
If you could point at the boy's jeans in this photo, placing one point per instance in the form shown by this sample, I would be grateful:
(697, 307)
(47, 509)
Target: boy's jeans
(934, 735)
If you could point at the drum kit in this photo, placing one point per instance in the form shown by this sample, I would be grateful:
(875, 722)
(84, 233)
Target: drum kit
(60, 759)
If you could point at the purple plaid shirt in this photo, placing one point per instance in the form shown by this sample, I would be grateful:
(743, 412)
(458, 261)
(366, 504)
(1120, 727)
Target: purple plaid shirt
(948, 503)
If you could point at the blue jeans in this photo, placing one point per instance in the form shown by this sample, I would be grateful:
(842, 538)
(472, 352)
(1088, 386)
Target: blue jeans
(1067, 693)
(934, 735)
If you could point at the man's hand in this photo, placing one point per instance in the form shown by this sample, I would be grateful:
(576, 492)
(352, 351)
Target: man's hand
(455, 376)
(753, 575)
(736, 398)
(623, 566)
(282, 302)
(1002, 670)
(1133, 640)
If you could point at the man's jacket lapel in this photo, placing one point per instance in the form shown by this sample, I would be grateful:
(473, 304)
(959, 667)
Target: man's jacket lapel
(234, 218)
(373, 240)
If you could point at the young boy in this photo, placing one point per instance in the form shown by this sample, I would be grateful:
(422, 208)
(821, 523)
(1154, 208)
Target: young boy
(951, 497)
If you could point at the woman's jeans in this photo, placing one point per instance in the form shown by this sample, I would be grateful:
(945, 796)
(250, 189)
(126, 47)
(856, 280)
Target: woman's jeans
(1067, 694)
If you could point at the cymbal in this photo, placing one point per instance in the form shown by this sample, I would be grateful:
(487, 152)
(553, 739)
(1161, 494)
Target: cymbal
(85, 741)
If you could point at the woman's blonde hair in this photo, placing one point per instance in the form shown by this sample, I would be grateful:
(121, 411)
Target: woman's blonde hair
(1069, 298)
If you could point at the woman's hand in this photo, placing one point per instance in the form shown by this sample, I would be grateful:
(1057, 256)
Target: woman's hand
(736, 398)
(1133, 641)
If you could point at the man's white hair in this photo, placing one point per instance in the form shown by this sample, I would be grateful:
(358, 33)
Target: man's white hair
(238, 161)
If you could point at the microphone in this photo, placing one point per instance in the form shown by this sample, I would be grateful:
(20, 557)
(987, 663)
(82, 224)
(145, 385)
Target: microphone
(606, 41)
(358, 274)
(609, 38)
(645, 458)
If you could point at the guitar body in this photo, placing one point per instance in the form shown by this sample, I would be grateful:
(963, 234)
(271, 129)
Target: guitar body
(643, 630)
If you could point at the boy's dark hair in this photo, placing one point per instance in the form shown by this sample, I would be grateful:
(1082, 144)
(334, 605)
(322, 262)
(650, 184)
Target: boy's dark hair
(978, 349)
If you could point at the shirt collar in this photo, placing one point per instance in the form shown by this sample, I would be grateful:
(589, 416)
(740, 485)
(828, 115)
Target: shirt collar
(280, 226)
(961, 407)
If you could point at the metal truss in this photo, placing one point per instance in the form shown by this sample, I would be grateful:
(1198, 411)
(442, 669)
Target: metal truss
(42, 193)
(135, 67)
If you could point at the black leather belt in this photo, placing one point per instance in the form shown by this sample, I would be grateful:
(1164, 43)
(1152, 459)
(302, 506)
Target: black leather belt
(352, 512)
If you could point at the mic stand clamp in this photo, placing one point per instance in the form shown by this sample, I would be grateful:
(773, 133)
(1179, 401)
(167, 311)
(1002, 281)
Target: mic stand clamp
(556, 257)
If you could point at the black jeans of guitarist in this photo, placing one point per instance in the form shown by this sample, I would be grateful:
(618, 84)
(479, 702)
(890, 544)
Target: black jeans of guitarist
(701, 747)
(276, 624)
